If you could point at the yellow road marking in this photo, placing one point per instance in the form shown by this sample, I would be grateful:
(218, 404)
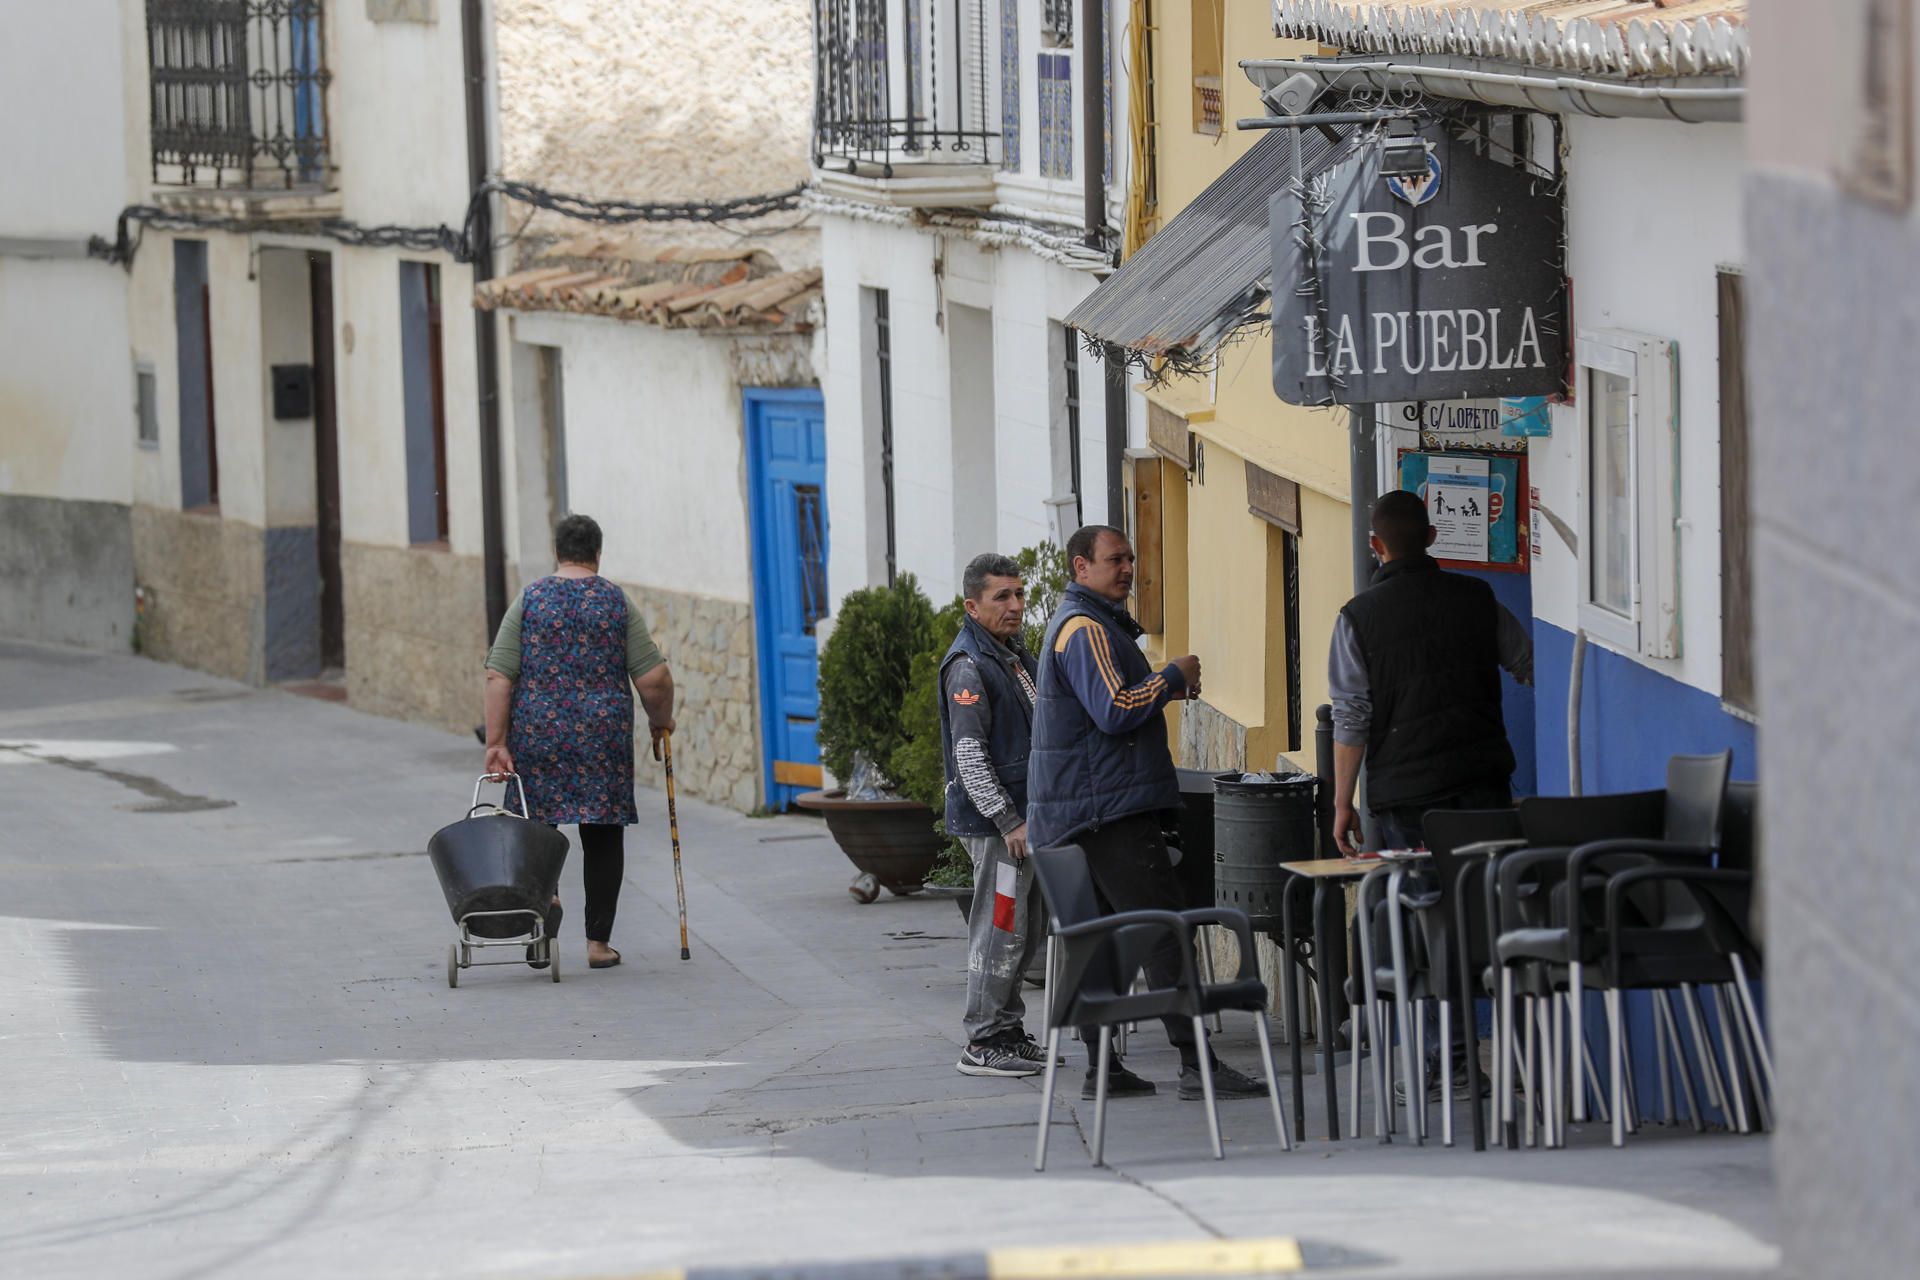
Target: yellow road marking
(1182, 1258)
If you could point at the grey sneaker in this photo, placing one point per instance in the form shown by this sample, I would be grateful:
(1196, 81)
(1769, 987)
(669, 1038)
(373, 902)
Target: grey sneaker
(1028, 1048)
(1227, 1083)
(994, 1059)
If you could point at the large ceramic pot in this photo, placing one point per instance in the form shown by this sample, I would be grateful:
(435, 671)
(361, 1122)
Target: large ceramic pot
(891, 840)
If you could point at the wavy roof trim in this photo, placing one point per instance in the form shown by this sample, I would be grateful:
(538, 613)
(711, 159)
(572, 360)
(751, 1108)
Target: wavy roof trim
(1628, 39)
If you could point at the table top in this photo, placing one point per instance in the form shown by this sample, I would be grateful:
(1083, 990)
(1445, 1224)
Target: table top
(1347, 868)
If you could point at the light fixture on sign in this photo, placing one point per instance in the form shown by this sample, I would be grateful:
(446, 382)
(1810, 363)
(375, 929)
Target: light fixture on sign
(1405, 153)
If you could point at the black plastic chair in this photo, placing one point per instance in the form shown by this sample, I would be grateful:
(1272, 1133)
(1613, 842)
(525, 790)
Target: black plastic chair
(1096, 959)
(1557, 916)
(1244, 993)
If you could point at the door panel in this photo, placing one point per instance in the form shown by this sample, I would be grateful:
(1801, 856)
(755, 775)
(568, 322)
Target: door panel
(786, 440)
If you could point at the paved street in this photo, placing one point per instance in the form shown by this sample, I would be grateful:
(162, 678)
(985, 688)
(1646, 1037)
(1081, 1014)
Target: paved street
(230, 1049)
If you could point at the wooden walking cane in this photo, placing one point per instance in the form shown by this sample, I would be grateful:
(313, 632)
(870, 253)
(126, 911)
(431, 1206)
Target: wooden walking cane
(673, 826)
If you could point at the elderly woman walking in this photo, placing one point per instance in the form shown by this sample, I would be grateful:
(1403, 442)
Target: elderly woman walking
(559, 712)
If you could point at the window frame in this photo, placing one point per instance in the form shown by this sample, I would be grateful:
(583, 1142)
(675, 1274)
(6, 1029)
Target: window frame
(1649, 364)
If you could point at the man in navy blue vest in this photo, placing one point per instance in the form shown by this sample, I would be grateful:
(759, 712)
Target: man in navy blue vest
(1414, 675)
(987, 694)
(1102, 774)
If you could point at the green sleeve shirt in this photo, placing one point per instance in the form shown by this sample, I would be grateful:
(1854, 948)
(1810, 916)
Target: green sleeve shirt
(642, 654)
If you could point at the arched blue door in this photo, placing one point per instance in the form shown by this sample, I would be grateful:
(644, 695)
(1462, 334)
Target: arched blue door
(787, 476)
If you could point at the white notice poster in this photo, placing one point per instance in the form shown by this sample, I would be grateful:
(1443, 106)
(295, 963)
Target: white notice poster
(1457, 503)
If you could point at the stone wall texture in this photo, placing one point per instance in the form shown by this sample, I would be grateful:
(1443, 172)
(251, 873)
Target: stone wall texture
(66, 571)
(659, 102)
(716, 747)
(200, 586)
(416, 633)
(1830, 359)
(1210, 739)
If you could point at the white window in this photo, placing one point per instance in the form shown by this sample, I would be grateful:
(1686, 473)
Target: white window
(1630, 472)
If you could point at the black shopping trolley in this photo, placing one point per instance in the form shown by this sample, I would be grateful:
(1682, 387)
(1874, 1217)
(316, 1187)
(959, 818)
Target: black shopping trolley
(499, 871)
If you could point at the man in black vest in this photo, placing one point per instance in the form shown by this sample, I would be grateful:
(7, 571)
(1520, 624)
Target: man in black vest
(986, 718)
(1103, 774)
(1414, 675)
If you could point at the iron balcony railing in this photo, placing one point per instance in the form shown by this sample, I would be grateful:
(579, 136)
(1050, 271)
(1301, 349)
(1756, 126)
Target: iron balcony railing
(239, 93)
(904, 81)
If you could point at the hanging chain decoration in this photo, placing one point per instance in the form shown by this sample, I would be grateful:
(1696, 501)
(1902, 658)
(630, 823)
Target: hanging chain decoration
(135, 219)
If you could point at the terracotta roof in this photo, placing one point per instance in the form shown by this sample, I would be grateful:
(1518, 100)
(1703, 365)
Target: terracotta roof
(674, 288)
(1615, 38)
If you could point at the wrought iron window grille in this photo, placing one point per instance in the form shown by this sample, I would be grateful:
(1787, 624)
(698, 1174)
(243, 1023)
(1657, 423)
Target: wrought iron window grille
(1056, 23)
(238, 93)
(882, 96)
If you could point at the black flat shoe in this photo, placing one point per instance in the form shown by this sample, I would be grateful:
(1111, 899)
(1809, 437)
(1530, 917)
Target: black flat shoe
(1121, 1083)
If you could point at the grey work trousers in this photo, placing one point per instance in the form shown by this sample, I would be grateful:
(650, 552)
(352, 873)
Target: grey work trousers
(1005, 927)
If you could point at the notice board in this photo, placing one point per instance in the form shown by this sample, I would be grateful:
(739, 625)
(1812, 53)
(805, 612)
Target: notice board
(1478, 502)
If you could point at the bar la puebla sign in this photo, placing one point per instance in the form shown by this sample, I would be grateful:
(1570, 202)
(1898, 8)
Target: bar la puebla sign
(1443, 286)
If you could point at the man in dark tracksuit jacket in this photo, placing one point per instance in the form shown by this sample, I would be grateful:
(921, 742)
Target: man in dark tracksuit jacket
(987, 692)
(1414, 675)
(1101, 773)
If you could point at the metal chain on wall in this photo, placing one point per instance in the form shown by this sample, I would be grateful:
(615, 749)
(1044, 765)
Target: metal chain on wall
(135, 219)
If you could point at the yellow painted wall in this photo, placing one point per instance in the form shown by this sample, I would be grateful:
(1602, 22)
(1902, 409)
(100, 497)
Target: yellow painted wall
(1226, 589)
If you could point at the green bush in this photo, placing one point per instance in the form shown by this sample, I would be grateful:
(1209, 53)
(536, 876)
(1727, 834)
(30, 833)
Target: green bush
(918, 764)
(864, 669)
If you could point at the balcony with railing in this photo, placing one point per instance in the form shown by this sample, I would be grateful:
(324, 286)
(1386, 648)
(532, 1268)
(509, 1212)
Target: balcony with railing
(238, 94)
(904, 97)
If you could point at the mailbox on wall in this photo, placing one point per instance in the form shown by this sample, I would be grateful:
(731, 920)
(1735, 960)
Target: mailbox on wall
(292, 392)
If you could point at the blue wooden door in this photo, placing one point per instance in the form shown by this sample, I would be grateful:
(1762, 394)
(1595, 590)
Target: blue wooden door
(787, 476)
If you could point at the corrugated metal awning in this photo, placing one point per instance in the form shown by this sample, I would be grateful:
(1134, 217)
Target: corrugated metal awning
(1206, 273)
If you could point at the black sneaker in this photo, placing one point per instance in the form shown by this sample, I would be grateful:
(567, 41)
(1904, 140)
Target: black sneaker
(1121, 1083)
(1023, 1044)
(994, 1059)
(1227, 1083)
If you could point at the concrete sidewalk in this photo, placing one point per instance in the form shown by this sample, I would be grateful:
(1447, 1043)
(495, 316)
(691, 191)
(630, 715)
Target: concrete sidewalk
(230, 1049)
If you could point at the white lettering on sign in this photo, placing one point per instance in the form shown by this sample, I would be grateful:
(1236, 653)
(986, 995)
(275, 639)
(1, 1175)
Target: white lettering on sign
(1430, 341)
(1434, 244)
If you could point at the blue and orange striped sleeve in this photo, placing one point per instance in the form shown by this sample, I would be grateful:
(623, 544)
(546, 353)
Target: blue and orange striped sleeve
(1086, 658)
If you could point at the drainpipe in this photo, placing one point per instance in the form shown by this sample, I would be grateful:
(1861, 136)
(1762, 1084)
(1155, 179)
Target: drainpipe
(1093, 163)
(1363, 486)
(486, 350)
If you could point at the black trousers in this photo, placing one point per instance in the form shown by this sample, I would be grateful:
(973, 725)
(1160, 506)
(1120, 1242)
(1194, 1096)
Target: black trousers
(603, 865)
(1132, 872)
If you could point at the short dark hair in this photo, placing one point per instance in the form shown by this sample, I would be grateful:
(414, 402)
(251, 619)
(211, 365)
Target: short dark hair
(990, 564)
(1085, 538)
(576, 540)
(1400, 521)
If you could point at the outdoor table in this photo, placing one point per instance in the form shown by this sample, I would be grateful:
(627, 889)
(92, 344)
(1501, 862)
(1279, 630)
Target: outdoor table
(1322, 872)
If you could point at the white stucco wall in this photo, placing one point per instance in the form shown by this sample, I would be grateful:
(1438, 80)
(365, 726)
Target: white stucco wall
(1652, 210)
(1022, 293)
(659, 102)
(654, 452)
(62, 118)
(397, 109)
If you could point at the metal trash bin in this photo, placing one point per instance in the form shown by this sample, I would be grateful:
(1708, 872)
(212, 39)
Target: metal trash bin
(1190, 830)
(1256, 827)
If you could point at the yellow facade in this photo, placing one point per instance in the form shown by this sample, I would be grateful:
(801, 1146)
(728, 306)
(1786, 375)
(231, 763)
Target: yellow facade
(1223, 571)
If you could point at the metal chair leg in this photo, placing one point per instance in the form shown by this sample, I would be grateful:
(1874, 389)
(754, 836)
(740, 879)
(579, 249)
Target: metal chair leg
(1663, 1009)
(1046, 992)
(1503, 1053)
(1046, 1095)
(1361, 1031)
(1100, 1096)
(1273, 1080)
(1745, 989)
(1530, 1077)
(1662, 1066)
(1381, 1037)
(1556, 1079)
(1417, 1011)
(1206, 1084)
(1576, 1030)
(1601, 1111)
(1632, 1092)
(1203, 941)
(1735, 1089)
(1446, 1073)
(1617, 1066)
(1762, 1111)
(1703, 1049)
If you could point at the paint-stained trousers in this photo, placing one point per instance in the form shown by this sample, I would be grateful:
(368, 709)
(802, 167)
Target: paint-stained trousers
(1005, 927)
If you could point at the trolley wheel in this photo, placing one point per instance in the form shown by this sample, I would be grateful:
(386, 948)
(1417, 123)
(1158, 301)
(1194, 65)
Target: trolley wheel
(553, 959)
(453, 964)
(865, 888)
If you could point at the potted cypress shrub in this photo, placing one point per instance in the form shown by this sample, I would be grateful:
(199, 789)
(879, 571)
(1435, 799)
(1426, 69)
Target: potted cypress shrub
(865, 669)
